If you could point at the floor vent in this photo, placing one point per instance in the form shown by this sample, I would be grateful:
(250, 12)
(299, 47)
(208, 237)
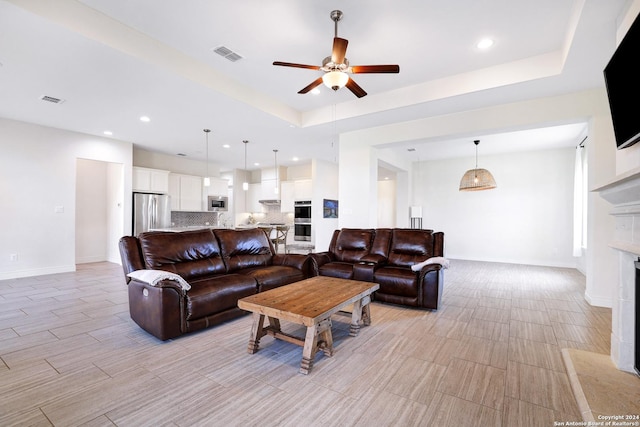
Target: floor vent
(227, 53)
(51, 99)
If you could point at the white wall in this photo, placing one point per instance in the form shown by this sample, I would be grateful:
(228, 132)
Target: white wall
(38, 177)
(325, 186)
(527, 219)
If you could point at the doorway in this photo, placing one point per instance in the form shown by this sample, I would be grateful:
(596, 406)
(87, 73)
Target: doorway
(99, 221)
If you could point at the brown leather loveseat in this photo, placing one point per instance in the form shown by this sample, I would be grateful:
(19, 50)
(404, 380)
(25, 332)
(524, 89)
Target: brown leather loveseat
(218, 266)
(385, 256)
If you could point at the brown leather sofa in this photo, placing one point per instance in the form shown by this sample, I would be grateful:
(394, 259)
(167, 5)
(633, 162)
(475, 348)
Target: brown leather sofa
(221, 266)
(385, 256)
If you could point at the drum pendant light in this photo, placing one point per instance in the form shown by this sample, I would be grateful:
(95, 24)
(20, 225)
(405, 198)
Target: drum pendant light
(477, 179)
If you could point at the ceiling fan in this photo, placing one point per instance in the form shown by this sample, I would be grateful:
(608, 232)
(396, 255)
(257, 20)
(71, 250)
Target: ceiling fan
(336, 67)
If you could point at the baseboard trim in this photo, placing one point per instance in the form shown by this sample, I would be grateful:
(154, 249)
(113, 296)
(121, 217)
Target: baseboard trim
(16, 274)
(598, 302)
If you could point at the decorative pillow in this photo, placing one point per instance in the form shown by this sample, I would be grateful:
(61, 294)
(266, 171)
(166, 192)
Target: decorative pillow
(153, 277)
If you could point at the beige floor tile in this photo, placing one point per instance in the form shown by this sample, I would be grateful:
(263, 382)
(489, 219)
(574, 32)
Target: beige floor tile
(530, 316)
(534, 353)
(447, 410)
(475, 382)
(495, 331)
(532, 332)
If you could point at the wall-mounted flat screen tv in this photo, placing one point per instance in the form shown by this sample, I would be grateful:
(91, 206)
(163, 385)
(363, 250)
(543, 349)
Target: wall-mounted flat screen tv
(622, 79)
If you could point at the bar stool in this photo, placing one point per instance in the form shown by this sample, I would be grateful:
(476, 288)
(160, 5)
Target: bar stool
(280, 237)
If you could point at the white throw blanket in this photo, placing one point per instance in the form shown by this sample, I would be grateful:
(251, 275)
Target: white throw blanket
(433, 260)
(152, 277)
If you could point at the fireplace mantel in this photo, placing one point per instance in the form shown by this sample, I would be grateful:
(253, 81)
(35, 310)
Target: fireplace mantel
(624, 194)
(623, 189)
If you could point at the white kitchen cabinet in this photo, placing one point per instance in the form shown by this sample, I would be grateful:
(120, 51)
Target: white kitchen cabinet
(191, 193)
(218, 187)
(185, 192)
(303, 189)
(253, 195)
(287, 196)
(268, 190)
(148, 180)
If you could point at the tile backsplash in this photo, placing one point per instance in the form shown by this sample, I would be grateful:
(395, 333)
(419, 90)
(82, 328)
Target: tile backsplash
(188, 219)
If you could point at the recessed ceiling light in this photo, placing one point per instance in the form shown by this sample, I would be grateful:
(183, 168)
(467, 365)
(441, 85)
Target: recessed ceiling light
(315, 91)
(226, 146)
(256, 164)
(485, 43)
(108, 132)
(295, 159)
(145, 119)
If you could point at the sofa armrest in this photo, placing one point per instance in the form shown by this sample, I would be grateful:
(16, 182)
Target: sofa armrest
(319, 259)
(431, 279)
(161, 284)
(158, 310)
(299, 261)
(130, 255)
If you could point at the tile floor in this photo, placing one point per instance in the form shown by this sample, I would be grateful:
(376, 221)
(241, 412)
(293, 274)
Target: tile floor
(491, 356)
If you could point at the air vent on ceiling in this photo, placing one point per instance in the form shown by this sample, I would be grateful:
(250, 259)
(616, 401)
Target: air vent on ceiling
(227, 53)
(51, 99)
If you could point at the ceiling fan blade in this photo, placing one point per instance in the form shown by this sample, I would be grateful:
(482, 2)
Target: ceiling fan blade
(316, 82)
(360, 69)
(339, 50)
(291, 64)
(353, 87)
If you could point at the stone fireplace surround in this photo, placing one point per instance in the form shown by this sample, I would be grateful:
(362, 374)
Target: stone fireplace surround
(624, 194)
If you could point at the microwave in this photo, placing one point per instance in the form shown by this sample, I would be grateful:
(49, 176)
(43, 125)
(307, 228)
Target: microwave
(217, 203)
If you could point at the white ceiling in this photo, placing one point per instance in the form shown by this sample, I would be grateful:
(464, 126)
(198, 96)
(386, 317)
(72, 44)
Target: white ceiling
(113, 61)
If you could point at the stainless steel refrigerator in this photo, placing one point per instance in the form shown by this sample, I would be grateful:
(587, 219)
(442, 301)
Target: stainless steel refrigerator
(150, 211)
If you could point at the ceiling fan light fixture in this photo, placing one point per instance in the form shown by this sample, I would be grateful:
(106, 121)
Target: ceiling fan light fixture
(335, 79)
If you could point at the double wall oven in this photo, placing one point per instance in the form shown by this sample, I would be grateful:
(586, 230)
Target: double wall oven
(302, 220)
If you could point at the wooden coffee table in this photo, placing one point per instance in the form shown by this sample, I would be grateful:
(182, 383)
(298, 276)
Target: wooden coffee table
(311, 303)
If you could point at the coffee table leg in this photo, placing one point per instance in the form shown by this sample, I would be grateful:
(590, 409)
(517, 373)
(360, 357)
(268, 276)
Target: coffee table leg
(325, 338)
(366, 312)
(309, 349)
(356, 315)
(257, 332)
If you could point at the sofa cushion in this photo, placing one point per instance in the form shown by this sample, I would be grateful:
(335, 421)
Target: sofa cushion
(217, 294)
(353, 244)
(341, 270)
(190, 254)
(397, 281)
(409, 246)
(245, 248)
(273, 276)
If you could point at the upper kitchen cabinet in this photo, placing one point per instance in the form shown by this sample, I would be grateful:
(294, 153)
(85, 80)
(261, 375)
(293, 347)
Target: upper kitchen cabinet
(218, 187)
(148, 180)
(186, 192)
(290, 191)
(287, 196)
(303, 189)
